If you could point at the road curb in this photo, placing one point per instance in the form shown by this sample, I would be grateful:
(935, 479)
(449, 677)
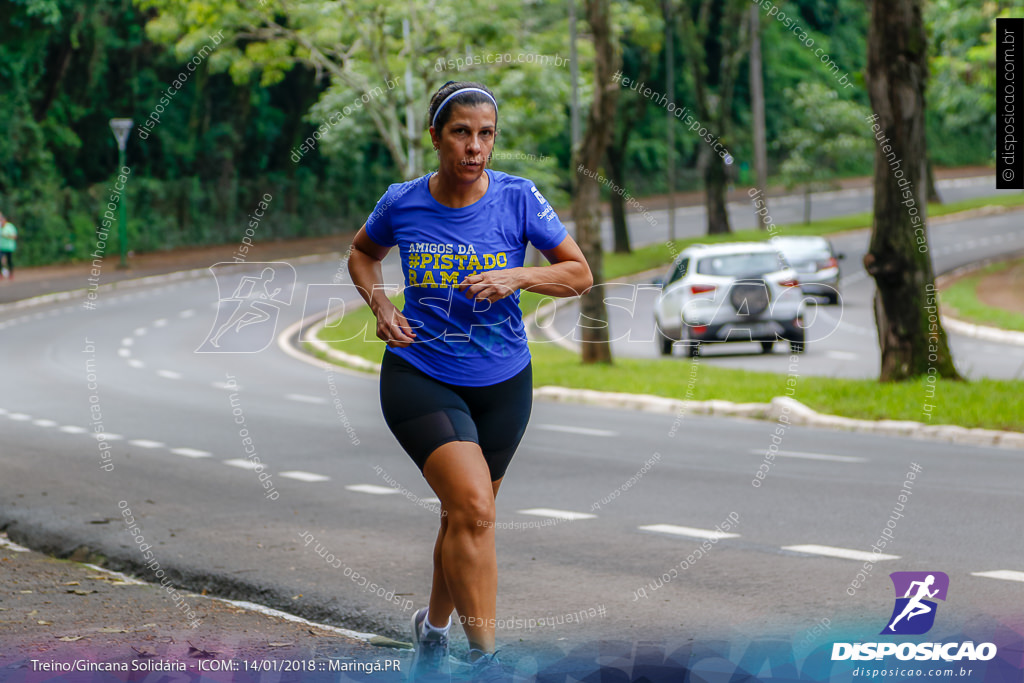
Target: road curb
(145, 280)
(982, 332)
(796, 412)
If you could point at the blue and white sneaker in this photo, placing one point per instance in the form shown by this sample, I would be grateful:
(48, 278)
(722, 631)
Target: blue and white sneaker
(430, 662)
(487, 669)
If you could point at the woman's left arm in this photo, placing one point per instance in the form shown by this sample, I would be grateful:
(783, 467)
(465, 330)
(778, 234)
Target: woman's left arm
(568, 275)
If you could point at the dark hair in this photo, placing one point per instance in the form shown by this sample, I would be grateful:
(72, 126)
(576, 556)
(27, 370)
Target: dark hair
(465, 99)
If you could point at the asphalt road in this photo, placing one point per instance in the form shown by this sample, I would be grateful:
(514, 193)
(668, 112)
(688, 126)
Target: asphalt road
(174, 428)
(842, 339)
(597, 506)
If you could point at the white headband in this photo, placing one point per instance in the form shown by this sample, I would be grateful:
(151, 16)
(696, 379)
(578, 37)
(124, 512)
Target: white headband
(459, 92)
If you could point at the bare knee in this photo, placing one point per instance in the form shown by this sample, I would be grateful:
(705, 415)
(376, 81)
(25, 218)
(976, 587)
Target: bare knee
(473, 513)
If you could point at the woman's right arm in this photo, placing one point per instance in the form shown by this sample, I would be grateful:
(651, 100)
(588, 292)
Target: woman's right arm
(364, 268)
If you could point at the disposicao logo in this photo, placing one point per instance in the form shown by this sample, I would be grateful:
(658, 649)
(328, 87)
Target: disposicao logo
(914, 614)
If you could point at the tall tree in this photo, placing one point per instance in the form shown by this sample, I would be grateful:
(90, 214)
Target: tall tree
(912, 343)
(641, 43)
(586, 211)
(757, 113)
(711, 29)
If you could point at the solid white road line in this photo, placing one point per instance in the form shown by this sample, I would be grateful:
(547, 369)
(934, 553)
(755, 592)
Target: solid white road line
(169, 374)
(370, 488)
(304, 476)
(300, 398)
(146, 443)
(844, 553)
(576, 430)
(1004, 574)
(709, 534)
(191, 452)
(557, 514)
(244, 464)
(813, 456)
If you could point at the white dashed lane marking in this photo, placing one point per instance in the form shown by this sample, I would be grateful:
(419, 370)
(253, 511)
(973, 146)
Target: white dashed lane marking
(244, 464)
(557, 514)
(708, 534)
(813, 456)
(301, 398)
(169, 374)
(372, 489)
(304, 476)
(124, 353)
(842, 553)
(146, 443)
(1004, 574)
(72, 429)
(44, 423)
(136, 363)
(191, 452)
(587, 431)
(19, 417)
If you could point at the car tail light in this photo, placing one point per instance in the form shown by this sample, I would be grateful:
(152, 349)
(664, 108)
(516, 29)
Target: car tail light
(789, 283)
(702, 289)
(831, 263)
(699, 330)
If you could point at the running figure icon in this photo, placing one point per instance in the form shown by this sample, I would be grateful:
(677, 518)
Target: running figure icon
(254, 305)
(917, 594)
(915, 606)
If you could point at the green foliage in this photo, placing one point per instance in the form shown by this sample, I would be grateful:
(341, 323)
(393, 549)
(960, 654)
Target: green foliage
(829, 135)
(282, 69)
(961, 115)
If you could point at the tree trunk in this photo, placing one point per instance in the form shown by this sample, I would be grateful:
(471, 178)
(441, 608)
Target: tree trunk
(716, 182)
(616, 173)
(757, 114)
(933, 192)
(586, 211)
(910, 336)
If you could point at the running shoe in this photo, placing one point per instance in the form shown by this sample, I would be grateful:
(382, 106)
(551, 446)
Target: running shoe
(487, 669)
(430, 661)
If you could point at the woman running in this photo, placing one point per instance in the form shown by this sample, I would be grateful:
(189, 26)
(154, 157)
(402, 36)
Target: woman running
(456, 385)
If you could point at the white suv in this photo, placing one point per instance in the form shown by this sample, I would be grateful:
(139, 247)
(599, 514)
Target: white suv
(731, 292)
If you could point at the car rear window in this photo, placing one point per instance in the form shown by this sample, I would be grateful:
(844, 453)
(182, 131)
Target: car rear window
(740, 265)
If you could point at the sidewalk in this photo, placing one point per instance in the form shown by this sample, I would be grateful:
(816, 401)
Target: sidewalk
(30, 282)
(62, 611)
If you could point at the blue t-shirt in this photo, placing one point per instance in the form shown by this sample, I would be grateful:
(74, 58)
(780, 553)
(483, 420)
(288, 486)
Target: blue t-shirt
(459, 340)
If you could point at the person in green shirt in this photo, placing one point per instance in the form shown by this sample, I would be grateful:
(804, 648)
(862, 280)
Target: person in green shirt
(8, 243)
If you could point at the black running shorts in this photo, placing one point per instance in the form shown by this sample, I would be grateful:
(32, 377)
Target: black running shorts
(424, 413)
